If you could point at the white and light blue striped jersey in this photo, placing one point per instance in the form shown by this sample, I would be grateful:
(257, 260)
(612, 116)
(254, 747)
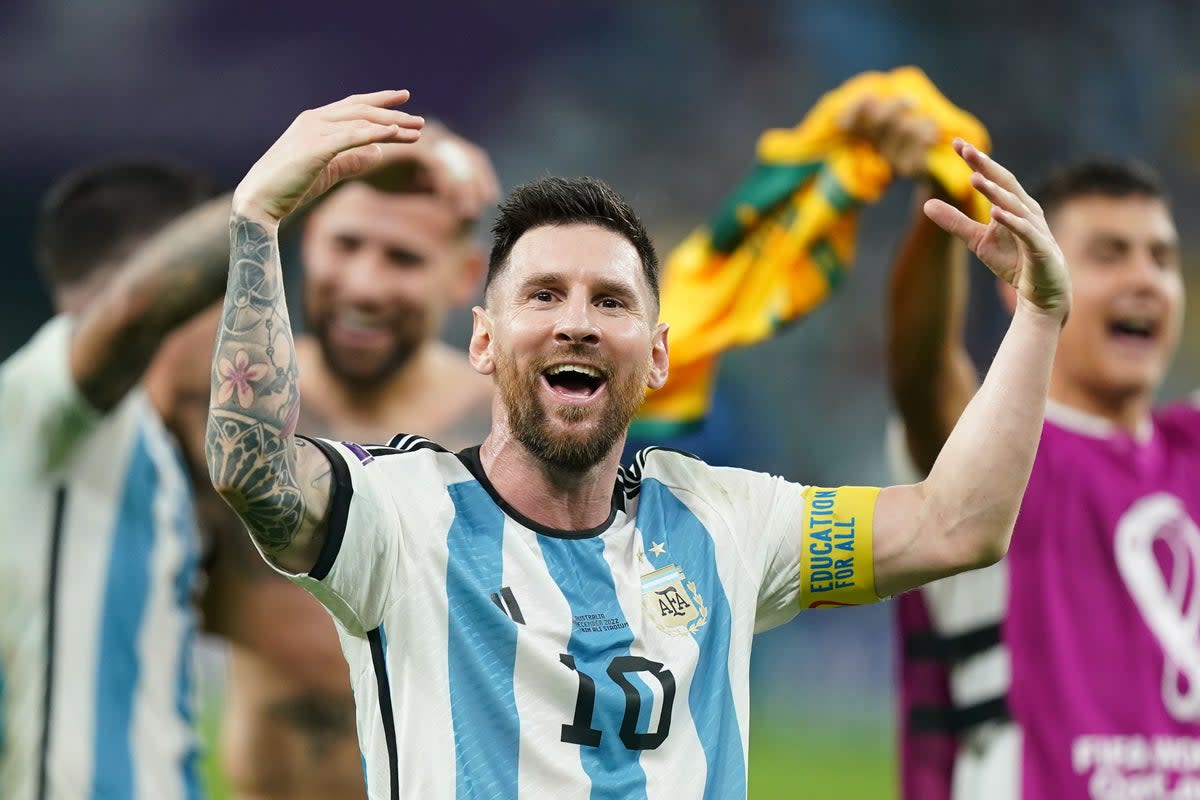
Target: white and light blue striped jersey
(493, 657)
(98, 558)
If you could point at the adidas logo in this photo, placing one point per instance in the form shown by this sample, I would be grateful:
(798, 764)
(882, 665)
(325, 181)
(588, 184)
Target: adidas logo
(506, 601)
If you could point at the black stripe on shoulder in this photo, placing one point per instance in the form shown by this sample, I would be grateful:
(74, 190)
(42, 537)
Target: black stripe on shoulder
(408, 442)
(379, 661)
(339, 509)
(630, 477)
(381, 450)
(952, 649)
(956, 721)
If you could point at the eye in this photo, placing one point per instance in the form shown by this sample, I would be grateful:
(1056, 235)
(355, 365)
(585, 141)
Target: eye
(1165, 257)
(406, 259)
(1108, 251)
(543, 295)
(611, 302)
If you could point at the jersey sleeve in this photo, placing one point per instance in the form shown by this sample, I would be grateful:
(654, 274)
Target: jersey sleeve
(357, 572)
(40, 406)
(811, 547)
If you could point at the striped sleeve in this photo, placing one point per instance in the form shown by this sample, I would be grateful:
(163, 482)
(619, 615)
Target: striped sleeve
(837, 562)
(356, 572)
(809, 547)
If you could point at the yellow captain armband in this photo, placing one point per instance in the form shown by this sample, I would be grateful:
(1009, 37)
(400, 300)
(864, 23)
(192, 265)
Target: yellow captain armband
(837, 564)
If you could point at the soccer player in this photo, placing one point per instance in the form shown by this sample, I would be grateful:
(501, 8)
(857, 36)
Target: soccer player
(1069, 669)
(525, 618)
(385, 258)
(98, 547)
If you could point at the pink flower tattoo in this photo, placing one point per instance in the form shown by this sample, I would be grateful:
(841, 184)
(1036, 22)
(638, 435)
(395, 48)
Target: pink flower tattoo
(236, 376)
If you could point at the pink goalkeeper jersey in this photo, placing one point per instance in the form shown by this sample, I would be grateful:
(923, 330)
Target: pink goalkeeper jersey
(1072, 668)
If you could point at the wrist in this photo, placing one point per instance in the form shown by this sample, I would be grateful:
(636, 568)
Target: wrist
(1051, 313)
(247, 207)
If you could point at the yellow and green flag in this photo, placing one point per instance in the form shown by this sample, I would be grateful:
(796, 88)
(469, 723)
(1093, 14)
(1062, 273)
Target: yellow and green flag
(782, 240)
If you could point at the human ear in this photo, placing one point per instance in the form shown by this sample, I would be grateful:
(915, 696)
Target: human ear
(479, 351)
(659, 361)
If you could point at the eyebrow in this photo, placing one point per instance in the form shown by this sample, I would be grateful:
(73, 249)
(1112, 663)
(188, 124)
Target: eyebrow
(1121, 239)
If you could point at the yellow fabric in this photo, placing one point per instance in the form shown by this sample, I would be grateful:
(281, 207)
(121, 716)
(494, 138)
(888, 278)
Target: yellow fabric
(780, 243)
(837, 564)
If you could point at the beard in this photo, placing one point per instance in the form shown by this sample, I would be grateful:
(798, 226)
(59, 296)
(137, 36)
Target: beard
(409, 329)
(530, 419)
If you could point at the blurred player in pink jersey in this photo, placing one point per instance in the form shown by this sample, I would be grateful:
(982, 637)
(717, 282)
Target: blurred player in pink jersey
(1071, 669)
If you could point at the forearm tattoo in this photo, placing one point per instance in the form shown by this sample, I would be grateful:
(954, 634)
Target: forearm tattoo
(255, 400)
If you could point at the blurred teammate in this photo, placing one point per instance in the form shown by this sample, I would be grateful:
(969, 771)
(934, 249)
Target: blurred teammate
(524, 618)
(1072, 668)
(385, 259)
(98, 547)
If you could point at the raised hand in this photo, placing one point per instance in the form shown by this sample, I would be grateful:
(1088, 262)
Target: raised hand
(901, 134)
(320, 148)
(1017, 244)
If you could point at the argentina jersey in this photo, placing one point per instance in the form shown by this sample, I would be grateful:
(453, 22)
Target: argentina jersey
(98, 558)
(493, 657)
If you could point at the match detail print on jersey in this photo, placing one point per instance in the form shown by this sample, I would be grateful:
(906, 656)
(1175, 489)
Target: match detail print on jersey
(836, 562)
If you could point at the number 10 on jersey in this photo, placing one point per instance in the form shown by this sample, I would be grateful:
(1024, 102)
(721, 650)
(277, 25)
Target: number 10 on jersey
(580, 730)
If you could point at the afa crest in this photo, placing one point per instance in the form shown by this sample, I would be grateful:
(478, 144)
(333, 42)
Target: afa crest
(672, 602)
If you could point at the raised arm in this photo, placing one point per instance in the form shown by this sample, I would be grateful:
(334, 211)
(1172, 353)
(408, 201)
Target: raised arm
(276, 483)
(174, 275)
(931, 376)
(962, 515)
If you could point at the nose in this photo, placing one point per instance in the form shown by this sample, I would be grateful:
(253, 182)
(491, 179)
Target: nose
(575, 324)
(359, 278)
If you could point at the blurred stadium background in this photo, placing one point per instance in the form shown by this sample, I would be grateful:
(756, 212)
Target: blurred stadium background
(664, 100)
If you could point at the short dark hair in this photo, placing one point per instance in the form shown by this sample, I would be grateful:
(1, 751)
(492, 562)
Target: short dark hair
(1099, 175)
(408, 175)
(566, 201)
(403, 176)
(97, 214)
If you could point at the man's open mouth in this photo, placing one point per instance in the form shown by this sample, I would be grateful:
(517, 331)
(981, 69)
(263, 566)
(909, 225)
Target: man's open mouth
(1134, 327)
(356, 329)
(574, 381)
